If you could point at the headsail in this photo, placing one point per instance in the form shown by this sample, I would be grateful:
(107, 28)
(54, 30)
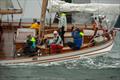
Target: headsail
(117, 24)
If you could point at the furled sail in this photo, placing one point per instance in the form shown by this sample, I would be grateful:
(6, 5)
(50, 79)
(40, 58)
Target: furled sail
(62, 6)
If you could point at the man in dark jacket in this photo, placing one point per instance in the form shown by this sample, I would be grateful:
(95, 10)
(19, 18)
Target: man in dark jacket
(30, 47)
(78, 39)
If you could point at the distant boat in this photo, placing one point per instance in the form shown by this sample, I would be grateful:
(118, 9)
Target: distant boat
(104, 41)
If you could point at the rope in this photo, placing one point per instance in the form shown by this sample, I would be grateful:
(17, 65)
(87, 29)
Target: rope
(101, 34)
(40, 4)
(7, 18)
(19, 4)
(91, 42)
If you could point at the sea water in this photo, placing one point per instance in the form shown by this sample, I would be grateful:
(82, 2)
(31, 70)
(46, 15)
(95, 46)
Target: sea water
(104, 67)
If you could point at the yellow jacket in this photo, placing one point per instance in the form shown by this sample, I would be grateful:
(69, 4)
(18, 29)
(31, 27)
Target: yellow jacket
(35, 26)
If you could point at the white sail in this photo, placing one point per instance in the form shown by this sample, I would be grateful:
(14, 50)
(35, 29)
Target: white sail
(32, 9)
(61, 6)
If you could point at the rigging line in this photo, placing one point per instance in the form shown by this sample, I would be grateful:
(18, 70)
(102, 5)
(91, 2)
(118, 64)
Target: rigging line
(39, 4)
(12, 3)
(19, 4)
(8, 18)
(24, 6)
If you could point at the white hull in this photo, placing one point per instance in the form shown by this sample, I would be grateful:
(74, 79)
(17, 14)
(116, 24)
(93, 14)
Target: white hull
(88, 52)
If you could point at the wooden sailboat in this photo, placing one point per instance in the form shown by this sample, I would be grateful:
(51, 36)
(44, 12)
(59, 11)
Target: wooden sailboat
(87, 50)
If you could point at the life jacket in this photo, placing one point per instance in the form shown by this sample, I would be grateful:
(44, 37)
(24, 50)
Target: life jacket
(81, 34)
(33, 40)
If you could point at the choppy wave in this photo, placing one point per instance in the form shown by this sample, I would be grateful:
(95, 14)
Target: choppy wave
(109, 60)
(99, 62)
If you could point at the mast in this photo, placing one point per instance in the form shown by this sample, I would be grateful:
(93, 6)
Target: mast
(42, 19)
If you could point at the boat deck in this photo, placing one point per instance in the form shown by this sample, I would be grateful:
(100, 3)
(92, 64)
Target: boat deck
(8, 47)
(7, 44)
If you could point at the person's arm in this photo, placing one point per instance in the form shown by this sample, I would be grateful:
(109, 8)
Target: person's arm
(31, 26)
(72, 33)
